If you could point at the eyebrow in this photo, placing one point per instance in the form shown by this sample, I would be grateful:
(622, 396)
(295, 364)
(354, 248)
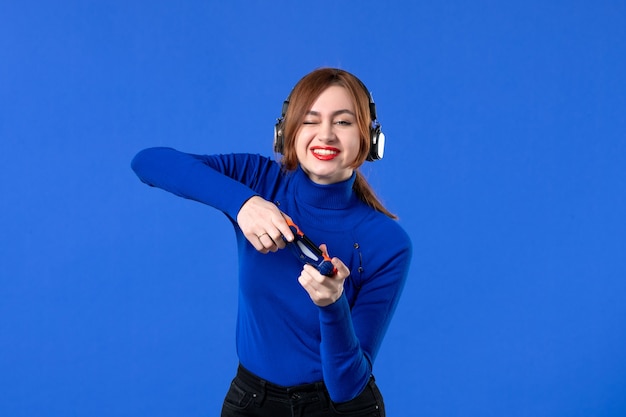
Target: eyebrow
(334, 114)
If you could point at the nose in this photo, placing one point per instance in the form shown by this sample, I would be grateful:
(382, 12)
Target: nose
(327, 131)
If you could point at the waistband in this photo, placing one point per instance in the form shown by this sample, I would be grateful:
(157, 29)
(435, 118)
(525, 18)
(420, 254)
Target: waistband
(279, 391)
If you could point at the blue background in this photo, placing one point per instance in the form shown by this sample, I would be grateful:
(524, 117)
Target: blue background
(506, 162)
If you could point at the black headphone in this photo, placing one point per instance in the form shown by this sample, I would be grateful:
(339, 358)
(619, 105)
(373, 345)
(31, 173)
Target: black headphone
(377, 137)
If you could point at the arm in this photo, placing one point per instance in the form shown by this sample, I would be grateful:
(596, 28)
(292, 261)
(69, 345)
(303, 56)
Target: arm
(200, 178)
(226, 182)
(351, 337)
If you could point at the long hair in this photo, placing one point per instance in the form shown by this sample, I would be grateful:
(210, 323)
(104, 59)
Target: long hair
(302, 97)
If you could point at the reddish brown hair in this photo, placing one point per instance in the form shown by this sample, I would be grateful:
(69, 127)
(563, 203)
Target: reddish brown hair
(302, 97)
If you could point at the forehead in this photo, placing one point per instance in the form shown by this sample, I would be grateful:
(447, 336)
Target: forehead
(333, 98)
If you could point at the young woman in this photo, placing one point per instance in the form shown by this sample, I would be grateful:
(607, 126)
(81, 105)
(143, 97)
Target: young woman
(306, 337)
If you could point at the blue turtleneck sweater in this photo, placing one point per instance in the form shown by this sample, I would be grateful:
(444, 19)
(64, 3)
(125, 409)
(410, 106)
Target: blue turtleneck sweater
(281, 335)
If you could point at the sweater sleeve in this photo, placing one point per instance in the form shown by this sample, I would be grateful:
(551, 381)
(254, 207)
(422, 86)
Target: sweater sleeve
(351, 336)
(345, 366)
(221, 181)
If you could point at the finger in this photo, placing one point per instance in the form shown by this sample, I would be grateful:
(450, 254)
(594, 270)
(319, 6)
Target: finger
(309, 281)
(340, 267)
(256, 241)
(283, 227)
(305, 284)
(315, 279)
(262, 235)
(258, 245)
(321, 289)
(277, 239)
(268, 242)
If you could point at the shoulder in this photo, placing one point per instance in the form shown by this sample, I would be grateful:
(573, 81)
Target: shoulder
(382, 228)
(386, 244)
(381, 241)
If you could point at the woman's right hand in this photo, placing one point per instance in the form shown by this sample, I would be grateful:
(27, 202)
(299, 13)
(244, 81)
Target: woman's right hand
(264, 225)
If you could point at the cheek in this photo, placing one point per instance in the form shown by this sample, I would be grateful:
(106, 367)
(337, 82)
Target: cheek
(299, 144)
(354, 146)
(300, 148)
(303, 140)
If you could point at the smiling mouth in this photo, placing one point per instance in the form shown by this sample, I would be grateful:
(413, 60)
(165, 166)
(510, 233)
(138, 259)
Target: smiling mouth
(325, 152)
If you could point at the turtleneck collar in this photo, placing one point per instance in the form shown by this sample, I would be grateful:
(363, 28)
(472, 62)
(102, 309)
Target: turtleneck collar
(335, 196)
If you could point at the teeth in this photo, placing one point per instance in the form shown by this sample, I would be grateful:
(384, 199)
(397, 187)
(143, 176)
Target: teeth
(324, 152)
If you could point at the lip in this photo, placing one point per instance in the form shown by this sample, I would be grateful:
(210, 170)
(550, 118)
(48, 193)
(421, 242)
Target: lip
(328, 153)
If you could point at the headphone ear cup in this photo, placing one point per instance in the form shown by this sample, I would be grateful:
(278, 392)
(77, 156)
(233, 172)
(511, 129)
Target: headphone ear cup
(377, 144)
(279, 138)
(279, 128)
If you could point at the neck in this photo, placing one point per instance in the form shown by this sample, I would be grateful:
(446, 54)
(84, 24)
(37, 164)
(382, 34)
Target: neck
(326, 196)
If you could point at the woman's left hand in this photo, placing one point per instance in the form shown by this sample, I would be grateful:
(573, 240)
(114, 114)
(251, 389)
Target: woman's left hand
(322, 289)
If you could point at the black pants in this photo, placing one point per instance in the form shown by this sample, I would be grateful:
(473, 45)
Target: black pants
(250, 396)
